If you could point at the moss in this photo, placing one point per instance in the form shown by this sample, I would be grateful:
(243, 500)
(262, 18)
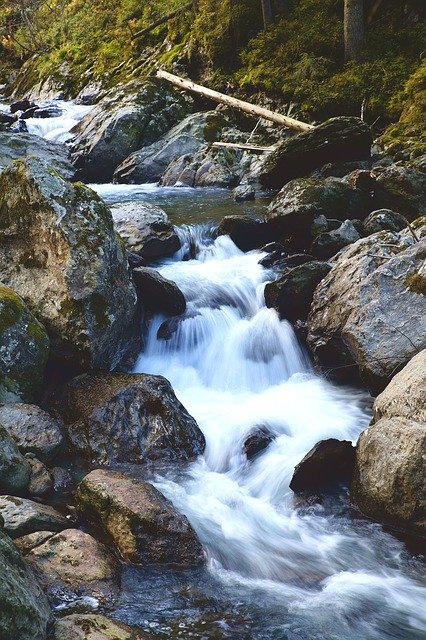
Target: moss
(11, 308)
(416, 282)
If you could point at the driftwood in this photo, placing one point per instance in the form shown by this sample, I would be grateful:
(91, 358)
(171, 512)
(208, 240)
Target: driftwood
(247, 107)
(243, 145)
(163, 19)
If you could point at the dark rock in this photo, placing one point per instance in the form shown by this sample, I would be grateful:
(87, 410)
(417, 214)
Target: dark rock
(28, 113)
(285, 263)
(257, 441)
(20, 145)
(40, 482)
(319, 225)
(25, 516)
(401, 189)
(384, 220)
(246, 232)
(63, 482)
(362, 179)
(243, 193)
(15, 470)
(6, 118)
(327, 245)
(135, 260)
(19, 127)
(157, 293)
(51, 111)
(144, 526)
(291, 295)
(340, 169)
(340, 139)
(128, 418)
(21, 105)
(328, 462)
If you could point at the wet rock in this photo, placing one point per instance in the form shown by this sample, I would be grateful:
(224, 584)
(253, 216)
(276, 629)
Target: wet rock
(24, 348)
(246, 232)
(24, 611)
(62, 255)
(327, 245)
(144, 526)
(126, 119)
(50, 111)
(19, 127)
(361, 319)
(22, 516)
(40, 482)
(128, 418)
(186, 138)
(15, 470)
(243, 193)
(21, 105)
(340, 140)
(257, 441)
(6, 118)
(95, 627)
(328, 462)
(33, 429)
(20, 145)
(145, 229)
(157, 293)
(291, 295)
(77, 564)
(63, 482)
(384, 220)
(401, 189)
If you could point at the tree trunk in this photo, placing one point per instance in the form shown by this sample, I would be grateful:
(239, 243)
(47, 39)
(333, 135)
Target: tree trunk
(266, 12)
(353, 28)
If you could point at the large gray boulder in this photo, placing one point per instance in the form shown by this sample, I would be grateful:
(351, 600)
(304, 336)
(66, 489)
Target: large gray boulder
(128, 118)
(390, 474)
(187, 137)
(24, 347)
(128, 418)
(59, 252)
(24, 610)
(340, 140)
(361, 319)
(143, 524)
(23, 145)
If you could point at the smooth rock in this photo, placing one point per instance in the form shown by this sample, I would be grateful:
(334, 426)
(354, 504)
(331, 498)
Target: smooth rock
(95, 627)
(158, 294)
(128, 418)
(144, 526)
(328, 462)
(15, 471)
(257, 441)
(22, 516)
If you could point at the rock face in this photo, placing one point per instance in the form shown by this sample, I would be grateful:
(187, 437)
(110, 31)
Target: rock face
(145, 229)
(95, 627)
(291, 295)
(33, 429)
(62, 256)
(328, 462)
(362, 313)
(15, 471)
(390, 475)
(24, 611)
(144, 526)
(24, 348)
(77, 564)
(25, 516)
(21, 145)
(187, 137)
(128, 118)
(128, 418)
(157, 293)
(340, 139)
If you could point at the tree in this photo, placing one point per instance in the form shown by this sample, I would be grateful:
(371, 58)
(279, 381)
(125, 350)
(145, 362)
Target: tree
(353, 28)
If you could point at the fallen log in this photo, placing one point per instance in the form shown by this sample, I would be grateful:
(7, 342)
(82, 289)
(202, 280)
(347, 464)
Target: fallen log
(242, 145)
(163, 19)
(247, 107)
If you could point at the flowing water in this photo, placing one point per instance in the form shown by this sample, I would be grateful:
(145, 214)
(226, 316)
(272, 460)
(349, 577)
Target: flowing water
(276, 568)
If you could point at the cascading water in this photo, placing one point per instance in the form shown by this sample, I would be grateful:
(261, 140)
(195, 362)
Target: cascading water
(236, 366)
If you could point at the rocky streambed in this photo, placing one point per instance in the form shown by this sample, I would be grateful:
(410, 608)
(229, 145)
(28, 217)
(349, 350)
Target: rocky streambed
(180, 452)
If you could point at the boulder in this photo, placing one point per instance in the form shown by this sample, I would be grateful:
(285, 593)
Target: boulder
(326, 245)
(401, 189)
(41, 483)
(128, 418)
(23, 145)
(75, 564)
(243, 193)
(7, 118)
(15, 471)
(92, 626)
(180, 171)
(144, 526)
(340, 140)
(361, 318)
(145, 230)
(257, 441)
(158, 294)
(187, 137)
(127, 118)
(24, 610)
(33, 429)
(245, 231)
(21, 105)
(22, 516)
(328, 462)
(24, 348)
(291, 295)
(61, 254)
(384, 220)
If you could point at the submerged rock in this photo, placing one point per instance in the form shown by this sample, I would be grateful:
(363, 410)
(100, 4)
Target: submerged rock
(24, 610)
(128, 418)
(61, 254)
(24, 348)
(22, 516)
(328, 462)
(157, 293)
(257, 441)
(95, 627)
(144, 526)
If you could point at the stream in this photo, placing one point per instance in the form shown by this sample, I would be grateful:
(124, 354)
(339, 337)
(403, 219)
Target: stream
(277, 567)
